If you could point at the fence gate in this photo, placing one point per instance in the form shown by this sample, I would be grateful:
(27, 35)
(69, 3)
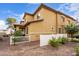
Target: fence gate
(19, 39)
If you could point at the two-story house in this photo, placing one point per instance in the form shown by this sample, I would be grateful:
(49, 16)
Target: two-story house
(44, 20)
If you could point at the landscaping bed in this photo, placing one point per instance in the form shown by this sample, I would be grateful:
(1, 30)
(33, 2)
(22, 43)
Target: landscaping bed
(64, 50)
(33, 49)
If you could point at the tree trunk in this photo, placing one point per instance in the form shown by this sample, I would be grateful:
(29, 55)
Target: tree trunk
(71, 35)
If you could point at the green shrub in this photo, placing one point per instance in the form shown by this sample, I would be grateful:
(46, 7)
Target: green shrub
(16, 39)
(76, 35)
(18, 33)
(77, 50)
(75, 40)
(54, 42)
(16, 36)
(63, 40)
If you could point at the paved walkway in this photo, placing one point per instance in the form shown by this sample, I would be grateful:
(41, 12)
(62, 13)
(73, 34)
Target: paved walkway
(33, 49)
(4, 43)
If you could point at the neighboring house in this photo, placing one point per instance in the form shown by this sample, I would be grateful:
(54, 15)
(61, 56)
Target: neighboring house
(2, 32)
(44, 20)
(8, 31)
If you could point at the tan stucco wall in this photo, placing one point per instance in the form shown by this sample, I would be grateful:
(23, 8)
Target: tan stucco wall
(45, 26)
(71, 21)
(17, 27)
(60, 21)
(28, 18)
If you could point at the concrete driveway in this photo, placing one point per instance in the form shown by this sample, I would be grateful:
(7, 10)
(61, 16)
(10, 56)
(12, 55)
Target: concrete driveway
(5, 43)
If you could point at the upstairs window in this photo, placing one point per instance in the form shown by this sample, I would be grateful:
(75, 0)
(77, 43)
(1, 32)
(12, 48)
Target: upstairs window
(63, 18)
(38, 16)
(63, 29)
(60, 30)
(69, 21)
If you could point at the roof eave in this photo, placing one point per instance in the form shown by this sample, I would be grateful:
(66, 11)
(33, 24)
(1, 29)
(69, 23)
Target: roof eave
(49, 9)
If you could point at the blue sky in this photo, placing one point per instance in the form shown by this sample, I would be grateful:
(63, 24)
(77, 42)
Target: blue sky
(17, 10)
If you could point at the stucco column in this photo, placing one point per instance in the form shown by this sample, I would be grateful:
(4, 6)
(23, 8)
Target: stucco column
(11, 40)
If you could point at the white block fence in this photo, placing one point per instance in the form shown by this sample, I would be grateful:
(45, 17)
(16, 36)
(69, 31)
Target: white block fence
(45, 38)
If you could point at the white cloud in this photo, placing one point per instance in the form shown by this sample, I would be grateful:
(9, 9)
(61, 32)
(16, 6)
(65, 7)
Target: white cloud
(3, 25)
(72, 8)
(63, 7)
(16, 15)
(21, 15)
(10, 13)
(75, 8)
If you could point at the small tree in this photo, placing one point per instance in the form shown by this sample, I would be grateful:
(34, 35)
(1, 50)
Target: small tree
(17, 35)
(71, 29)
(10, 22)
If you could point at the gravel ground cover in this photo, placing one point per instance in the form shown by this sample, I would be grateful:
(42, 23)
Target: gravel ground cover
(33, 49)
